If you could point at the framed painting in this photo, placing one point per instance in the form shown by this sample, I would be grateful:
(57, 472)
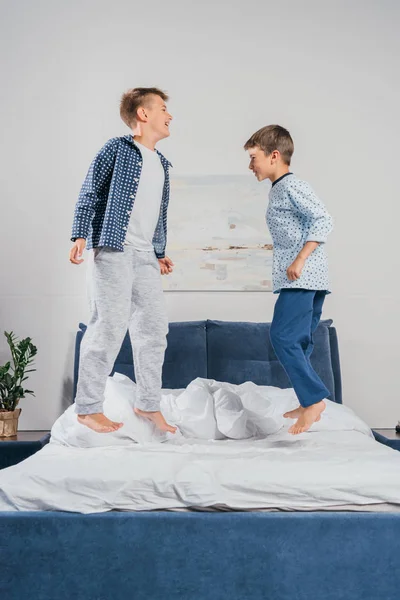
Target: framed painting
(217, 234)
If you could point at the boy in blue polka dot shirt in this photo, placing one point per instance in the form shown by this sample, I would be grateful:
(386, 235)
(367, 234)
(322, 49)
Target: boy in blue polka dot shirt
(121, 215)
(299, 225)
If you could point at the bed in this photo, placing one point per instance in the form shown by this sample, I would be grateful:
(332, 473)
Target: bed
(209, 552)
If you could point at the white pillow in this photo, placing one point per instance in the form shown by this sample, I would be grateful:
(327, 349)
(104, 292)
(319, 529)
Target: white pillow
(119, 401)
(337, 417)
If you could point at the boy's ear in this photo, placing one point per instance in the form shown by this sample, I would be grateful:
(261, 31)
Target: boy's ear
(275, 154)
(141, 114)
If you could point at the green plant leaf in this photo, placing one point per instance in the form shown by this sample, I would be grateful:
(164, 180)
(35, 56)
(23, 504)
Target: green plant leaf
(15, 372)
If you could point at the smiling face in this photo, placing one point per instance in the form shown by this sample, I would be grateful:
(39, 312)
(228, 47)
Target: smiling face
(263, 166)
(155, 116)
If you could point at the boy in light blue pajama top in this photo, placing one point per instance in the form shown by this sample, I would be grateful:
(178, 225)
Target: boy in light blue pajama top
(299, 225)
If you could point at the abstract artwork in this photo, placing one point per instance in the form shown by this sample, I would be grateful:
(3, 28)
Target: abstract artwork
(217, 235)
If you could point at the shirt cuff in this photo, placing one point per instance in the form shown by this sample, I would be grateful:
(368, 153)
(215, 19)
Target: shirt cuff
(77, 233)
(316, 238)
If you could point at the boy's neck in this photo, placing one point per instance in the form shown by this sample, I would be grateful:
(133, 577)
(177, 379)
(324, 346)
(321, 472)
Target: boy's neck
(146, 140)
(144, 136)
(281, 171)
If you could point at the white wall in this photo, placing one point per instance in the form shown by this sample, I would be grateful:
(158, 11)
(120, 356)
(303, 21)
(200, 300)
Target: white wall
(325, 70)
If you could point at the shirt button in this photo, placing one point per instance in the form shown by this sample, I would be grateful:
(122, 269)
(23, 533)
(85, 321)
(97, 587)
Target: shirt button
(124, 228)
(136, 179)
(131, 196)
(140, 164)
(128, 212)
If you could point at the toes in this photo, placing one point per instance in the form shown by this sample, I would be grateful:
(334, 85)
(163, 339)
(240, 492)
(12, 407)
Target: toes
(167, 427)
(296, 429)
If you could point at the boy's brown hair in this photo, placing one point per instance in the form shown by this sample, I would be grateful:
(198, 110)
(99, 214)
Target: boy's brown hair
(270, 138)
(133, 99)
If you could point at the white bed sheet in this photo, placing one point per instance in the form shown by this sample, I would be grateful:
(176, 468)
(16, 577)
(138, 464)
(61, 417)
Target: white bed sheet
(336, 464)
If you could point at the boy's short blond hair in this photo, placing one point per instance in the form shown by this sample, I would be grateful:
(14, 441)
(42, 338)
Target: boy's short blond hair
(133, 99)
(270, 138)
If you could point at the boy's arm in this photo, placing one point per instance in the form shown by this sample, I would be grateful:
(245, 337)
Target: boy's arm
(97, 178)
(294, 270)
(306, 202)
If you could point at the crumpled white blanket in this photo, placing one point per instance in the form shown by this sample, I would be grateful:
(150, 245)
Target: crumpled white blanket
(206, 410)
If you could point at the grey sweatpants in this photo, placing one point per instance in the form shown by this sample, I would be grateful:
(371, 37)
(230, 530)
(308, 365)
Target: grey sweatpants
(125, 292)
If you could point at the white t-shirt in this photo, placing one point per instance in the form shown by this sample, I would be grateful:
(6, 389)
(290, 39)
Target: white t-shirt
(146, 208)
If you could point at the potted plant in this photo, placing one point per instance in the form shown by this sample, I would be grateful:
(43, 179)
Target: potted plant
(12, 376)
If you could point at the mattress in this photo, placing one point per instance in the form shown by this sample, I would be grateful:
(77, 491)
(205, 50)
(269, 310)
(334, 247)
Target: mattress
(337, 465)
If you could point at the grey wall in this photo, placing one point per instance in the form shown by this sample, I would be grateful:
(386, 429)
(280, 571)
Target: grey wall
(325, 70)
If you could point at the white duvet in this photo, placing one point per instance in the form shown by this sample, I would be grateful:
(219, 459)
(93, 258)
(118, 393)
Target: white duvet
(232, 450)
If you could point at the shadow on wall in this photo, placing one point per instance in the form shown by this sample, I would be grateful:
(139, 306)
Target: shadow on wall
(67, 390)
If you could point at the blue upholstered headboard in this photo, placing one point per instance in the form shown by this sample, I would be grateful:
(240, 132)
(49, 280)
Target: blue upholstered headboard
(230, 351)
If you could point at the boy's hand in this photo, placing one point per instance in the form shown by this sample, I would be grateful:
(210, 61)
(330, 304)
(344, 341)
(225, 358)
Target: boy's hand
(295, 269)
(75, 255)
(166, 265)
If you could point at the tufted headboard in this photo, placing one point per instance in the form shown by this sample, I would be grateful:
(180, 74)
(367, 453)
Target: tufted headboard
(229, 351)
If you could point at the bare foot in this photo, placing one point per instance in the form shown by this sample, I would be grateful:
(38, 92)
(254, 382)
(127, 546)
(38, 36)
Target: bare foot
(157, 418)
(99, 423)
(294, 414)
(309, 415)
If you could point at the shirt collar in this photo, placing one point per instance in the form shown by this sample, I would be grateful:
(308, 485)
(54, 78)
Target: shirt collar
(280, 178)
(163, 159)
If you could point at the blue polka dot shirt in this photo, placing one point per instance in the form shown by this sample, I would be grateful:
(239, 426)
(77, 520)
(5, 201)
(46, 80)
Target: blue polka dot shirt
(105, 202)
(295, 216)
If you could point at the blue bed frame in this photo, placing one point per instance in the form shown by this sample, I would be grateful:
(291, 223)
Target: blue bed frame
(206, 556)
